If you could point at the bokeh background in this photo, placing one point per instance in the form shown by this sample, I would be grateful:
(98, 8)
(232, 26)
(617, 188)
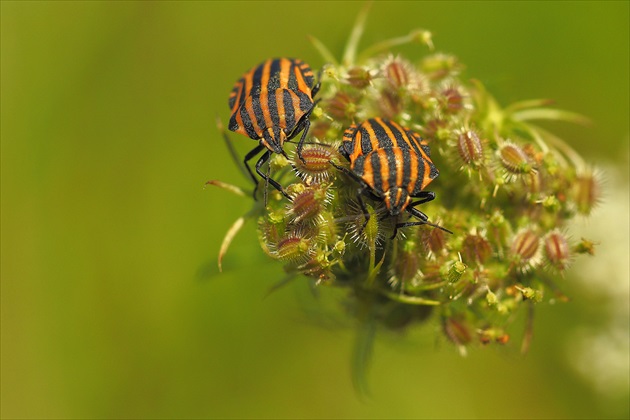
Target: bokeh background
(112, 305)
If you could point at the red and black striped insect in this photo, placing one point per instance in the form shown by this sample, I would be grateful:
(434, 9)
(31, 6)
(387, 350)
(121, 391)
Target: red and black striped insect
(272, 103)
(392, 164)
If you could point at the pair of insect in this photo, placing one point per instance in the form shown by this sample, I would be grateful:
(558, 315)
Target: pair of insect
(272, 104)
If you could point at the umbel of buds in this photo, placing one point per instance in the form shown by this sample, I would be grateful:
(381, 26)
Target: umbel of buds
(506, 190)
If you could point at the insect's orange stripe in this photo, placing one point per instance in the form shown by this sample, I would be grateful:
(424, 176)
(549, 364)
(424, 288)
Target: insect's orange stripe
(368, 173)
(372, 135)
(399, 158)
(285, 68)
(400, 162)
(398, 195)
(239, 120)
(249, 81)
(413, 176)
(264, 93)
(281, 111)
(237, 104)
(302, 86)
(358, 138)
(427, 174)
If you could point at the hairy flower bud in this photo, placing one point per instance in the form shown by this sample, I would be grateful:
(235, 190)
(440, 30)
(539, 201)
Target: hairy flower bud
(293, 248)
(452, 100)
(342, 106)
(586, 192)
(398, 73)
(470, 148)
(514, 159)
(476, 248)
(525, 246)
(308, 204)
(359, 77)
(315, 168)
(557, 250)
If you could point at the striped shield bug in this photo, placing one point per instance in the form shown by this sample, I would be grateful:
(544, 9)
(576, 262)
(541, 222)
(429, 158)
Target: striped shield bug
(272, 103)
(392, 164)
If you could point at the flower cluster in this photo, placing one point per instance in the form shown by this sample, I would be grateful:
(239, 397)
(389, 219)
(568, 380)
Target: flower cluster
(506, 189)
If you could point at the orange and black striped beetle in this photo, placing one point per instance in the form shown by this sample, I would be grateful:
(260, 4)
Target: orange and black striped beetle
(392, 164)
(272, 103)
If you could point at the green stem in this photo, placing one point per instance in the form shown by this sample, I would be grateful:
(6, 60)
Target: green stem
(393, 42)
(350, 52)
(411, 300)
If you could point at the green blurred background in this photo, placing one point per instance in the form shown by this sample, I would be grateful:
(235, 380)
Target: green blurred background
(112, 305)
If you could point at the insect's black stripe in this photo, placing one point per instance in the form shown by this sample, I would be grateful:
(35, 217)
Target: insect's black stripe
(419, 181)
(294, 88)
(274, 80)
(272, 86)
(255, 95)
(348, 135)
(292, 82)
(288, 110)
(407, 162)
(433, 172)
(400, 136)
(430, 171)
(366, 142)
(256, 79)
(376, 172)
(247, 123)
(423, 145)
(306, 103)
(348, 141)
(423, 148)
(393, 168)
(307, 73)
(276, 134)
(404, 137)
(358, 166)
(382, 138)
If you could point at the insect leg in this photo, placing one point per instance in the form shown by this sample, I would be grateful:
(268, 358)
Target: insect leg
(319, 83)
(264, 158)
(420, 215)
(307, 125)
(425, 197)
(249, 156)
(304, 124)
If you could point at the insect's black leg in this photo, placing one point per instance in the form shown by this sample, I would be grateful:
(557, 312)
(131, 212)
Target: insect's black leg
(266, 186)
(319, 83)
(424, 196)
(428, 196)
(264, 158)
(249, 157)
(407, 224)
(360, 192)
(307, 125)
(349, 173)
(304, 125)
